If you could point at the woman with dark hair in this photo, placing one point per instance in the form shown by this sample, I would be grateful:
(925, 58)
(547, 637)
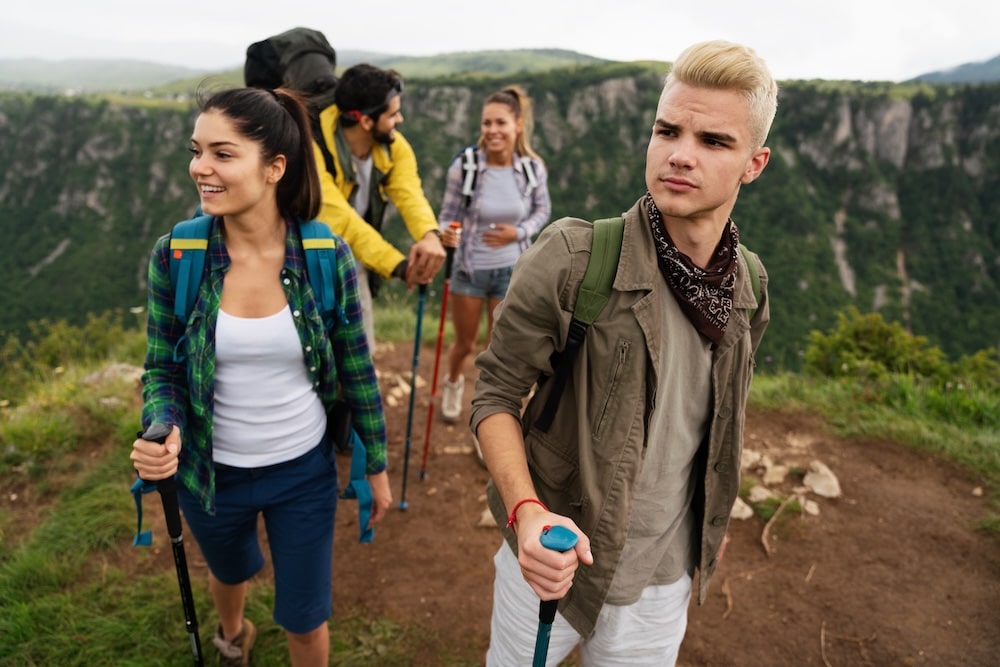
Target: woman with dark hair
(248, 397)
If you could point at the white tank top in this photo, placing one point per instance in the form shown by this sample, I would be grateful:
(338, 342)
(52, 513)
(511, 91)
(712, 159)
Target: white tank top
(266, 410)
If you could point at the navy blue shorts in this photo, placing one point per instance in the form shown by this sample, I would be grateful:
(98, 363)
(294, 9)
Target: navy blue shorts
(481, 283)
(298, 500)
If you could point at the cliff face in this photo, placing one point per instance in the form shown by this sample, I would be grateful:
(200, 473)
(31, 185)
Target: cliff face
(881, 196)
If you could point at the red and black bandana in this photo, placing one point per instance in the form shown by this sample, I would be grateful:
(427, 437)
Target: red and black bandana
(705, 295)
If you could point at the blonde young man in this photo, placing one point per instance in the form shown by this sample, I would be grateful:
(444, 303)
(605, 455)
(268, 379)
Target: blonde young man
(642, 457)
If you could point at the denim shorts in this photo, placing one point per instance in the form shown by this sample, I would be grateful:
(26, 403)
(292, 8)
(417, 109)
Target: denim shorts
(298, 500)
(481, 283)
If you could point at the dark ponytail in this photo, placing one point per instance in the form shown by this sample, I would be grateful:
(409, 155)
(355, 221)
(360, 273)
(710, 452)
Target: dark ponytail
(277, 120)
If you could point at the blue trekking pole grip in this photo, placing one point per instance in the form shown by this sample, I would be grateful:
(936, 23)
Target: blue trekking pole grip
(562, 539)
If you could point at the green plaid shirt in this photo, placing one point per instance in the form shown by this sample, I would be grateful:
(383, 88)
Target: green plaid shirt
(181, 392)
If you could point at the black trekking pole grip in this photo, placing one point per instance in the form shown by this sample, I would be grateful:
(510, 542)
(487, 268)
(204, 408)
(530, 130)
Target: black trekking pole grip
(158, 432)
(171, 511)
(449, 257)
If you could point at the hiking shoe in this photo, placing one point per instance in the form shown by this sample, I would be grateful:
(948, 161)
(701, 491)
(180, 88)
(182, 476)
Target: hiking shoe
(235, 652)
(451, 401)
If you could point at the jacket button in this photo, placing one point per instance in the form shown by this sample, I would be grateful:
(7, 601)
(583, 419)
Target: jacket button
(725, 412)
(721, 467)
(296, 313)
(719, 520)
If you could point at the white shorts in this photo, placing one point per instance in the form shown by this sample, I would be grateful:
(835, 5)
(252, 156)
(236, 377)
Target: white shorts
(646, 633)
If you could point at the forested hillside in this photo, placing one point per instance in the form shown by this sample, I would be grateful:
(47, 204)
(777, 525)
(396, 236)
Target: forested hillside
(878, 195)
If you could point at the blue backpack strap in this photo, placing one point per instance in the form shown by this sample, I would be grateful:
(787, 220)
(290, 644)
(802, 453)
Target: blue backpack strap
(359, 488)
(143, 538)
(188, 248)
(321, 267)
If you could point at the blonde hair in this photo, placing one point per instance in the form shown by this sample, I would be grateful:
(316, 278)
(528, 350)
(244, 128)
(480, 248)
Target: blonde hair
(519, 103)
(729, 66)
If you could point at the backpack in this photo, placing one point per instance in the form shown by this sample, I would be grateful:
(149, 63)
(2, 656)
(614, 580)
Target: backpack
(595, 289)
(470, 166)
(189, 246)
(188, 250)
(301, 59)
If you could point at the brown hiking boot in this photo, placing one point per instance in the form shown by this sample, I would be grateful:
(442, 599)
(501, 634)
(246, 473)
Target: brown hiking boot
(235, 652)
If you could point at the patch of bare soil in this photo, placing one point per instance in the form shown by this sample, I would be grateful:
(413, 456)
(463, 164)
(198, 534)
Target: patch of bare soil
(893, 572)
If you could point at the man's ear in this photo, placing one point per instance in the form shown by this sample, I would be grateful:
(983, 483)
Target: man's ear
(755, 167)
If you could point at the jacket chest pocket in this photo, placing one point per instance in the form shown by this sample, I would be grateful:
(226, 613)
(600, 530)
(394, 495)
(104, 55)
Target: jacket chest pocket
(614, 390)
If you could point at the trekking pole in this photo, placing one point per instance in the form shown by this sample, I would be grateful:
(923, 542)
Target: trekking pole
(413, 390)
(449, 256)
(557, 538)
(167, 487)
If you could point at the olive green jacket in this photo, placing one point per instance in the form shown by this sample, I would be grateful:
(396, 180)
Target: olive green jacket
(587, 465)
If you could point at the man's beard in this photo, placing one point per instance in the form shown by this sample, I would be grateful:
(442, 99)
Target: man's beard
(384, 138)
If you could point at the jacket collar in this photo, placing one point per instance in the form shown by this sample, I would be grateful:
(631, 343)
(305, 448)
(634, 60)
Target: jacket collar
(637, 270)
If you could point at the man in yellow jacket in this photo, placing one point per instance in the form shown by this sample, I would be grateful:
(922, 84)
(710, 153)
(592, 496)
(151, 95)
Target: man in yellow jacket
(366, 164)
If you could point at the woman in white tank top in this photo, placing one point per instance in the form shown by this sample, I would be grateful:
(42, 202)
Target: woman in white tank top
(248, 406)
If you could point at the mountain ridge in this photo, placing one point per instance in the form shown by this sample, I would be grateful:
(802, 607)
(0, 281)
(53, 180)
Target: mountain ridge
(113, 74)
(879, 196)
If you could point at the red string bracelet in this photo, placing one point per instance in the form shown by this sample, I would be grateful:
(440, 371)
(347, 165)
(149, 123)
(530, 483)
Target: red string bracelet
(513, 513)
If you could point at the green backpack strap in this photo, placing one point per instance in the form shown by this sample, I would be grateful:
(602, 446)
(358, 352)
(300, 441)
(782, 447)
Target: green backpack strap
(754, 277)
(601, 269)
(595, 289)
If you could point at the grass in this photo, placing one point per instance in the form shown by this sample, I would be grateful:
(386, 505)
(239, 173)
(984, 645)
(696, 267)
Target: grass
(74, 591)
(957, 424)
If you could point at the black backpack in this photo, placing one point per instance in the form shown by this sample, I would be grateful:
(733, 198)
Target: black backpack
(302, 59)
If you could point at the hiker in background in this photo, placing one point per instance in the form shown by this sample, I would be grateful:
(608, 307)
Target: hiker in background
(498, 190)
(642, 457)
(372, 165)
(249, 419)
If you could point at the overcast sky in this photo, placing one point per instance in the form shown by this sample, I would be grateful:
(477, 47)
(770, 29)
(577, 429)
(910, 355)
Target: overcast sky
(871, 40)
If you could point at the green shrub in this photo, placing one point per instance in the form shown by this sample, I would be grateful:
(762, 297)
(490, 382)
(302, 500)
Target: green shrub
(865, 346)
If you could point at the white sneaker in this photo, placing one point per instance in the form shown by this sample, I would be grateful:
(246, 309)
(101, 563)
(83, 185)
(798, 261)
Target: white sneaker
(451, 401)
